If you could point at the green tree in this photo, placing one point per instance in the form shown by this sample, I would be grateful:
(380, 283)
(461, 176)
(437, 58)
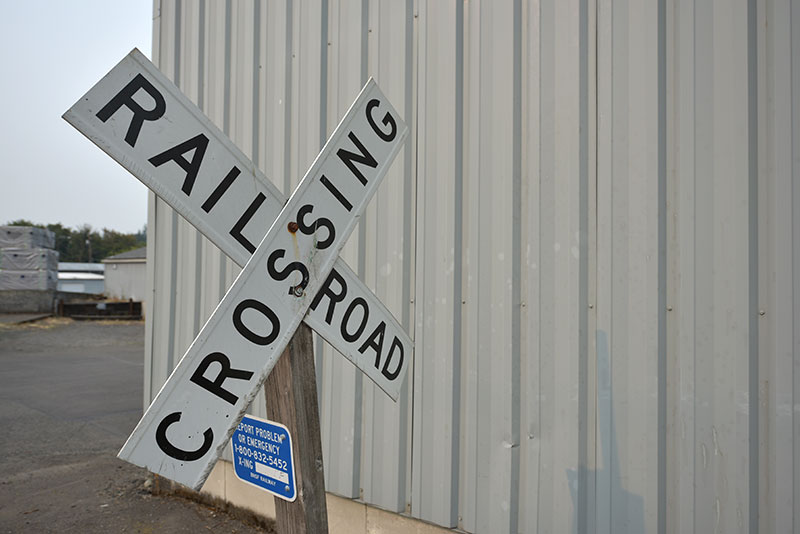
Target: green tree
(63, 238)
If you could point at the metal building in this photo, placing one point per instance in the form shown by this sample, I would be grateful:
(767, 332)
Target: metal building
(126, 274)
(592, 234)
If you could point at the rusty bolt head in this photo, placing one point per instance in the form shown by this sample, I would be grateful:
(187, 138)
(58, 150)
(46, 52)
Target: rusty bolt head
(298, 291)
(293, 227)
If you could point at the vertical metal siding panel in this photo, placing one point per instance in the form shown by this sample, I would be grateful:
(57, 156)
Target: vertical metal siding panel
(531, 452)
(163, 331)
(190, 37)
(434, 441)
(410, 207)
(682, 252)
(778, 267)
(151, 312)
(552, 352)
(198, 60)
(165, 234)
(603, 452)
(188, 244)
(767, 326)
(470, 454)
(588, 251)
(288, 69)
(637, 406)
(468, 477)
(305, 86)
(491, 365)
(258, 39)
(152, 283)
(721, 269)
(228, 269)
(795, 258)
(674, 403)
(795, 179)
(238, 104)
(727, 439)
(556, 242)
(706, 502)
(340, 401)
(386, 457)
(564, 230)
(155, 354)
(242, 76)
(628, 275)
(273, 89)
(213, 105)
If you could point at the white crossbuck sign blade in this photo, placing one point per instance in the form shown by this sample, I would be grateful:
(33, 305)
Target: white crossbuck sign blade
(142, 120)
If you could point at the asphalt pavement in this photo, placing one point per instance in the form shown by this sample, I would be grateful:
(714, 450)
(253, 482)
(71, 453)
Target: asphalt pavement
(70, 394)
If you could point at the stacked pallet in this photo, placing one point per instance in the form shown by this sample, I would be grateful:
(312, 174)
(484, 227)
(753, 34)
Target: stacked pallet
(27, 260)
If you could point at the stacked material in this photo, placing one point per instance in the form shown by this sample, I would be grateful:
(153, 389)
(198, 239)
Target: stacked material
(26, 237)
(27, 259)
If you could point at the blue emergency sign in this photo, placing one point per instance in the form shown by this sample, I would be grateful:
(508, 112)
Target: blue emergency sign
(262, 456)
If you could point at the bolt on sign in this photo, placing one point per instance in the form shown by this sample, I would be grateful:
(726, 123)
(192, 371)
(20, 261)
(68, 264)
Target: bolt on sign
(142, 120)
(188, 424)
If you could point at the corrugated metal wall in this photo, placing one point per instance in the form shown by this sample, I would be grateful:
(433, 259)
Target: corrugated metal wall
(592, 235)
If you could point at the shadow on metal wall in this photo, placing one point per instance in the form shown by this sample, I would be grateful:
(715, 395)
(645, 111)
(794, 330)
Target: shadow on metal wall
(624, 513)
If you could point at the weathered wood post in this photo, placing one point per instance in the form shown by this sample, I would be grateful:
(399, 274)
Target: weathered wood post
(291, 393)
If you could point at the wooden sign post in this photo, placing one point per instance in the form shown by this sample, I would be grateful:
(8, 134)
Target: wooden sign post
(291, 393)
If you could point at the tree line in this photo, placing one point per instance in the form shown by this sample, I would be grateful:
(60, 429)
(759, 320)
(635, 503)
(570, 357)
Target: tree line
(85, 244)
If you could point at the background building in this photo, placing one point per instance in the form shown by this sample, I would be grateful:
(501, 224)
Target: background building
(81, 277)
(126, 274)
(592, 235)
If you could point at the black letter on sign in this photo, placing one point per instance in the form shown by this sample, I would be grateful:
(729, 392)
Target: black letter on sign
(334, 297)
(389, 374)
(236, 231)
(388, 120)
(358, 301)
(375, 342)
(215, 387)
(249, 334)
(198, 144)
(284, 274)
(336, 193)
(351, 158)
(221, 188)
(172, 450)
(125, 98)
(312, 228)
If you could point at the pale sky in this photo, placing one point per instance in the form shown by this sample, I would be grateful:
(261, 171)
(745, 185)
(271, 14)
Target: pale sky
(52, 53)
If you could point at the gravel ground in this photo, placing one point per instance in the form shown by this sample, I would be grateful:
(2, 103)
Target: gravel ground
(70, 393)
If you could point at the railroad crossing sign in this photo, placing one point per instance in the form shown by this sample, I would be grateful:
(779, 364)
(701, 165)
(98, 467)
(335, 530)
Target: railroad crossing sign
(136, 115)
(142, 120)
